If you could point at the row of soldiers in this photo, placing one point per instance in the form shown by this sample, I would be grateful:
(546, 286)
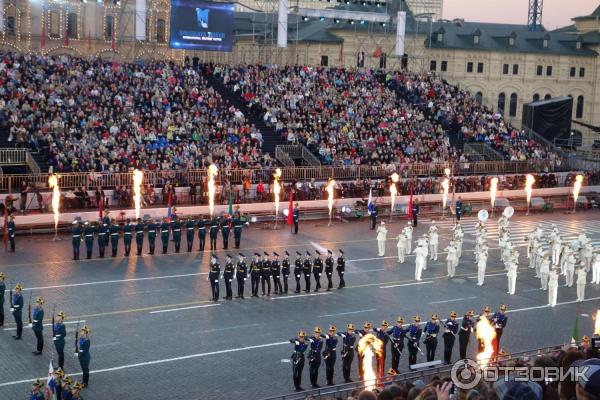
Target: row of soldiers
(36, 322)
(108, 231)
(60, 386)
(324, 347)
(265, 268)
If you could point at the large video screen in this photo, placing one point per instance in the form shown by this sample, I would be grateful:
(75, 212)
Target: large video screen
(201, 25)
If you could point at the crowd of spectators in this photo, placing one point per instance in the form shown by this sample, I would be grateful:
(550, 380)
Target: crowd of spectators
(95, 115)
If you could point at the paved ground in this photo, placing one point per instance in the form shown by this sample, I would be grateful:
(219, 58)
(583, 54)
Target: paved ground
(156, 335)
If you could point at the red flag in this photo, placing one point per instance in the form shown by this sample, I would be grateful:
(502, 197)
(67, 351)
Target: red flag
(101, 204)
(43, 38)
(89, 40)
(113, 44)
(66, 38)
(290, 216)
(410, 204)
(377, 52)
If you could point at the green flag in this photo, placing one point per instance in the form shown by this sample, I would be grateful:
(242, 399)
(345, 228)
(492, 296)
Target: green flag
(230, 202)
(575, 336)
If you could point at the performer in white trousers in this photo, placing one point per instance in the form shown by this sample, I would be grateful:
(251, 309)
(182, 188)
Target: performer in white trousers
(512, 277)
(553, 287)
(556, 243)
(581, 281)
(408, 231)
(596, 269)
(433, 242)
(534, 254)
(381, 238)
(566, 253)
(538, 259)
(420, 260)
(481, 265)
(451, 258)
(402, 239)
(545, 271)
(587, 253)
(570, 269)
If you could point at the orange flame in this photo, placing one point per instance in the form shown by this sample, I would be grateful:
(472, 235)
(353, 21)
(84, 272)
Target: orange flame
(597, 324)
(487, 333)
(577, 187)
(393, 190)
(529, 181)
(330, 187)
(370, 347)
(138, 178)
(493, 191)
(212, 172)
(276, 189)
(53, 183)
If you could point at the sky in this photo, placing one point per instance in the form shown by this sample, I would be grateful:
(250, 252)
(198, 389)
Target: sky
(556, 13)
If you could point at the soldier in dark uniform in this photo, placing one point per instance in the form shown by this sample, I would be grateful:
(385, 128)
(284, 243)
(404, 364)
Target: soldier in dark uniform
(296, 217)
(152, 230)
(164, 235)
(255, 270)
(265, 274)
(362, 333)
(414, 336)
(88, 232)
(276, 274)
(484, 314)
(237, 230)
(76, 239)
(314, 356)
(450, 331)
(466, 327)
(2, 292)
(225, 232)
(176, 227)
(381, 334)
(11, 233)
(348, 344)
(341, 269)
(329, 269)
(189, 233)
(415, 213)
(36, 392)
(214, 230)
(373, 216)
(202, 232)
(318, 270)
(59, 332)
(432, 329)
(103, 230)
(228, 273)
(458, 208)
(37, 325)
(241, 275)
(139, 236)
(213, 277)
(397, 335)
(127, 236)
(499, 319)
(285, 271)
(306, 270)
(17, 310)
(298, 271)
(84, 354)
(329, 354)
(114, 238)
(300, 347)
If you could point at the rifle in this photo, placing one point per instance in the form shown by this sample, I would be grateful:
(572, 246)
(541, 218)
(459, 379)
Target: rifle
(53, 310)
(77, 340)
(10, 293)
(447, 329)
(29, 308)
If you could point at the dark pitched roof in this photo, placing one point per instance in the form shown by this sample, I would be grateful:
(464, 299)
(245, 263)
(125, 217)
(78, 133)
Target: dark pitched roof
(595, 14)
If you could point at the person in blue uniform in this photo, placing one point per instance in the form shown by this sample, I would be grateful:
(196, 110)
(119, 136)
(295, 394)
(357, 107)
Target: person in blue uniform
(341, 269)
(499, 319)
(415, 213)
(348, 344)
(214, 230)
(152, 231)
(176, 227)
(464, 333)
(54, 388)
(201, 233)
(127, 236)
(300, 347)
(317, 270)
(314, 356)
(11, 233)
(450, 331)
(296, 217)
(115, 231)
(76, 391)
(189, 233)
(362, 333)
(88, 232)
(265, 274)
(432, 329)
(276, 274)
(76, 232)
(381, 334)
(458, 208)
(59, 332)
(329, 270)
(397, 335)
(330, 354)
(285, 271)
(66, 388)
(2, 292)
(241, 275)
(373, 216)
(164, 235)
(255, 269)
(103, 231)
(17, 310)
(37, 325)
(414, 336)
(306, 270)
(237, 230)
(485, 313)
(298, 271)
(228, 272)
(36, 392)
(83, 353)
(213, 277)
(225, 232)
(139, 236)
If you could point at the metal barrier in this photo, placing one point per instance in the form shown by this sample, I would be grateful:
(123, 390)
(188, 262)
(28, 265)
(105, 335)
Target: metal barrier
(13, 156)
(309, 157)
(426, 374)
(482, 149)
(283, 157)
